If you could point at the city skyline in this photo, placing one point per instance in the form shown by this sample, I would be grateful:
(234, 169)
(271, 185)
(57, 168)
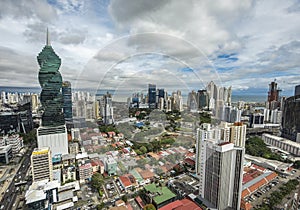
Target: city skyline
(104, 46)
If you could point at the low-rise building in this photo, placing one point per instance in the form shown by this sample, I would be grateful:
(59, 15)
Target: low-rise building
(6, 154)
(73, 148)
(68, 159)
(282, 143)
(110, 165)
(68, 173)
(160, 196)
(85, 172)
(14, 140)
(184, 204)
(127, 181)
(45, 195)
(98, 166)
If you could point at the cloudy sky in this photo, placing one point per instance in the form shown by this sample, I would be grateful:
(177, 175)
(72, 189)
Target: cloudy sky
(175, 44)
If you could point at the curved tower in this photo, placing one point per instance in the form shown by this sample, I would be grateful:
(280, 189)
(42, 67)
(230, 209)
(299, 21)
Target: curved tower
(53, 132)
(51, 82)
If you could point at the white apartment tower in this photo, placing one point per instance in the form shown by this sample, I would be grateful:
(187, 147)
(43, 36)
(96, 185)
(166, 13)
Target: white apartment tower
(219, 164)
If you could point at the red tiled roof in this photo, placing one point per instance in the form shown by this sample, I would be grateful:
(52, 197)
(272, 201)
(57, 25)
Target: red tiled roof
(129, 207)
(189, 161)
(172, 205)
(125, 180)
(247, 178)
(188, 205)
(190, 154)
(257, 185)
(184, 204)
(258, 167)
(85, 166)
(140, 202)
(97, 162)
(271, 176)
(245, 193)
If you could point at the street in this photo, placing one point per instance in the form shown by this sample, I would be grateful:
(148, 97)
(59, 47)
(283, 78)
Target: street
(10, 194)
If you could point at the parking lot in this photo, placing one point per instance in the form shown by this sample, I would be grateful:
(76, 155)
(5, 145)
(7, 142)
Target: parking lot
(111, 190)
(261, 195)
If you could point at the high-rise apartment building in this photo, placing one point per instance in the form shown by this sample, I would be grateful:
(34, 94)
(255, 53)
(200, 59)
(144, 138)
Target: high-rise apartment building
(53, 132)
(219, 164)
(222, 186)
(202, 98)
(107, 110)
(41, 164)
(238, 134)
(192, 102)
(218, 97)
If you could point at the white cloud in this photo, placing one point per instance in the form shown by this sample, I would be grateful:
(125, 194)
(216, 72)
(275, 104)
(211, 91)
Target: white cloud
(131, 43)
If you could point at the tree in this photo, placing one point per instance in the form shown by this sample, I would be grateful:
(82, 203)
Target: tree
(297, 164)
(150, 147)
(149, 207)
(143, 149)
(100, 206)
(29, 138)
(97, 181)
(124, 198)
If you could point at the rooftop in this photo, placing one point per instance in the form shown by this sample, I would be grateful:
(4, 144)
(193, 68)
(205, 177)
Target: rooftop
(283, 140)
(184, 204)
(162, 194)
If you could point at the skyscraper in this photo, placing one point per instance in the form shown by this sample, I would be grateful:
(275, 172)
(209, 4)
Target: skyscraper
(152, 96)
(107, 110)
(290, 117)
(53, 131)
(51, 83)
(67, 98)
(273, 96)
(219, 165)
(202, 98)
(192, 102)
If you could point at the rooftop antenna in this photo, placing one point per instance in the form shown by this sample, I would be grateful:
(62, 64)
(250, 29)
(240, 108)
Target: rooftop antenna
(47, 38)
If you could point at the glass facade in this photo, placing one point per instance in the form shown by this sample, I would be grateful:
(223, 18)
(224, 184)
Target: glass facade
(152, 96)
(67, 96)
(51, 82)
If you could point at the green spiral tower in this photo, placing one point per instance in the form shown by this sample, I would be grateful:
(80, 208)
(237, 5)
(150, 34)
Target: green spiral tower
(51, 83)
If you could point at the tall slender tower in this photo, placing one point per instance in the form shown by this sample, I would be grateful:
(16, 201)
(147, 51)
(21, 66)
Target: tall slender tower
(51, 83)
(67, 98)
(53, 132)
